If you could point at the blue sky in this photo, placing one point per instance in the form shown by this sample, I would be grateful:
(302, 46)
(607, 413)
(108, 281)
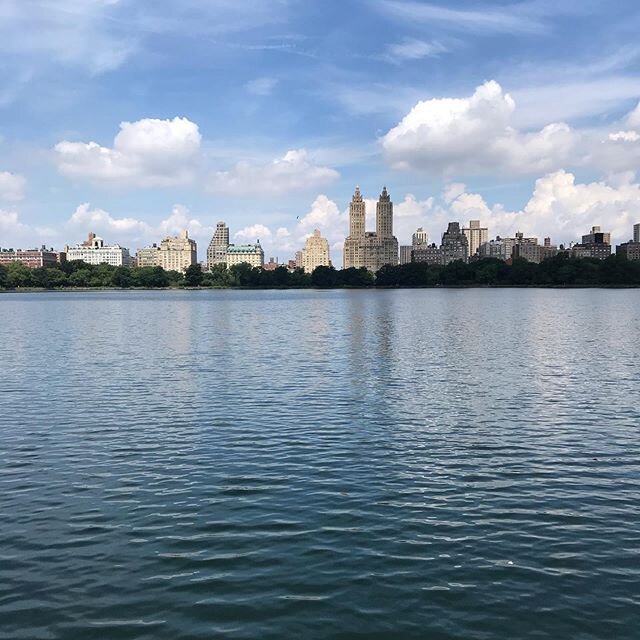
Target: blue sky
(134, 118)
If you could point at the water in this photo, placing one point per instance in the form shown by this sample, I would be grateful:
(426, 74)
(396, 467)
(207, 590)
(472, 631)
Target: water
(339, 464)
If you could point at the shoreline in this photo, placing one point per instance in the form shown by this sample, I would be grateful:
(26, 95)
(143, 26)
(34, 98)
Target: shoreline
(372, 288)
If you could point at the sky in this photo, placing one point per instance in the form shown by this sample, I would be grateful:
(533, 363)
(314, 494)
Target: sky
(135, 119)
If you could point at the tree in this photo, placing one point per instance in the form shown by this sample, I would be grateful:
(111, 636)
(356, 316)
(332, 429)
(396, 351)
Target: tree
(19, 276)
(325, 277)
(193, 275)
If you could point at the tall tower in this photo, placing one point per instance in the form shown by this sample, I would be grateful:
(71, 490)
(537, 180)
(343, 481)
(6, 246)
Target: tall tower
(384, 216)
(357, 215)
(217, 250)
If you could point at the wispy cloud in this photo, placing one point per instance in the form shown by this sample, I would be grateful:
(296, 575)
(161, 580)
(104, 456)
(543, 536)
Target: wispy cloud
(487, 19)
(413, 49)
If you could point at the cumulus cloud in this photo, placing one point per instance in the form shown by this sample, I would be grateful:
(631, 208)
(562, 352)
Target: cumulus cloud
(12, 186)
(474, 135)
(146, 153)
(253, 233)
(293, 172)
(559, 207)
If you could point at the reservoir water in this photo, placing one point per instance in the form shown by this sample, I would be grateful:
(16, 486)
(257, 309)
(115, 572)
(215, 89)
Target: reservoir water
(320, 464)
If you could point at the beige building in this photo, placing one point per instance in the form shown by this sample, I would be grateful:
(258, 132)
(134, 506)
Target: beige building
(476, 236)
(370, 249)
(147, 257)
(315, 252)
(251, 254)
(175, 253)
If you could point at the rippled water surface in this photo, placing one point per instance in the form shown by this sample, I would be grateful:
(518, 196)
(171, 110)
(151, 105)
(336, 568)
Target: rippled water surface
(340, 464)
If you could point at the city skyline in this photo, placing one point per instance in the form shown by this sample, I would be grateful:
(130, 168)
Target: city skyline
(104, 127)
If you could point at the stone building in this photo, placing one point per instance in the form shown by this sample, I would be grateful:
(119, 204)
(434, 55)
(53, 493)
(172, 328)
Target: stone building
(217, 249)
(370, 249)
(175, 253)
(315, 252)
(427, 253)
(95, 251)
(596, 244)
(455, 245)
(476, 235)
(251, 254)
(629, 250)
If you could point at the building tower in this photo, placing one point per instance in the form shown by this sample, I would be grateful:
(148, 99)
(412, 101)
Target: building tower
(217, 250)
(357, 215)
(384, 216)
(476, 236)
(636, 232)
(420, 237)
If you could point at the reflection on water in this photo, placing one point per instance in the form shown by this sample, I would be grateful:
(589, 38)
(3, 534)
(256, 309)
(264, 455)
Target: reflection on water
(348, 464)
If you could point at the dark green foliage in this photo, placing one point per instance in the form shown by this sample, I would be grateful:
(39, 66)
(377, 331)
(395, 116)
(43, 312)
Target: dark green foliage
(560, 271)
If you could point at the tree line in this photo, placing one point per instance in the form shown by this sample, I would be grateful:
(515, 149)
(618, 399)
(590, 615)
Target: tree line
(560, 270)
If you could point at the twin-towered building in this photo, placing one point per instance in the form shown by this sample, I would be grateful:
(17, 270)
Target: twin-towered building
(370, 249)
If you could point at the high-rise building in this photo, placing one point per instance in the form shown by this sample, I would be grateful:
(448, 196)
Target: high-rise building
(420, 238)
(427, 253)
(251, 254)
(596, 244)
(629, 250)
(405, 253)
(636, 232)
(476, 235)
(596, 236)
(147, 257)
(534, 252)
(455, 245)
(370, 249)
(94, 251)
(217, 249)
(315, 252)
(175, 253)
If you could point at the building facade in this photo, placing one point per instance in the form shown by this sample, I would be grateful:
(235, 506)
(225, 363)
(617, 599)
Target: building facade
(405, 253)
(636, 232)
(176, 253)
(596, 244)
(217, 249)
(455, 245)
(427, 253)
(95, 251)
(315, 253)
(534, 252)
(420, 238)
(251, 254)
(147, 257)
(629, 250)
(32, 258)
(476, 235)
(370, 249)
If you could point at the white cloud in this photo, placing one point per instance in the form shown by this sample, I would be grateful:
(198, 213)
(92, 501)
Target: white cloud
(253, 233)
(100, 221)
(474, 135)
(262, 86)
(294, 171)
(624, 136)
(12, 186)
(18, 235)
(324, 214)
(559, 207)
(146, 153)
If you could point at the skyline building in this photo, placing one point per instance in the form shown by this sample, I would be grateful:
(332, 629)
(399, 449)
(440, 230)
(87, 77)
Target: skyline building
(370, 249)
(95, 251)
(636, 232)
(175, 253)
(476, 235)
(455, 245)
(217, 249)
(315, 252)
(419, 238)
(252, 254)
